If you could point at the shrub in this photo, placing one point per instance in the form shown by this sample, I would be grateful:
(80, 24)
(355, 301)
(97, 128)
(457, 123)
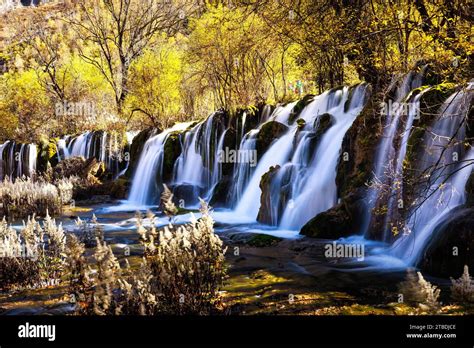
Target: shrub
(189, 266)
(25, 197)
(462, 289)
(181, 272)
(416, 290)
(33, 257)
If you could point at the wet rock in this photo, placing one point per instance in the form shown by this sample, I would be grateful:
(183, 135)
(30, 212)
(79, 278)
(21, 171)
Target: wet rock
(136, 148)
(358, 148)
(452, 246)
(266, 199)
(299, 106)
(220, 197)
(470, 191)
(172, 150)
(340, 221)
(268, 133)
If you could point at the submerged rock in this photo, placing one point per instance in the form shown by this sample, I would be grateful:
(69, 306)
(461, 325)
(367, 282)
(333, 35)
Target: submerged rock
(452, 246)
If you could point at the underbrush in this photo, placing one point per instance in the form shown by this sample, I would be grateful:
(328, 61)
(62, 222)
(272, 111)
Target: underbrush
(25, 197)
(32, 257)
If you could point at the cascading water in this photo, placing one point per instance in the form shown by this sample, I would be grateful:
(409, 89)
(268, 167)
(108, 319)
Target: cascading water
(313, 184)
(396, 177)
(104, 146)
(198, 166)
(148, 175)
(309, 178)
(17, 160)
(277, 154)
(447, 175)
(386, 150)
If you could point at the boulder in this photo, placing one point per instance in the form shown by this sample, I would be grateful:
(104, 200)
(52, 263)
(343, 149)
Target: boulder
(172, 150)
(266, 199)
(341, 220)
(452, 246)
(299, 106)
(268, 133)
(136, 148)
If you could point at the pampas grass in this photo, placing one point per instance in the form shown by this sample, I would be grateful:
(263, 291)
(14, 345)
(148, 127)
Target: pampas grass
(25, 197)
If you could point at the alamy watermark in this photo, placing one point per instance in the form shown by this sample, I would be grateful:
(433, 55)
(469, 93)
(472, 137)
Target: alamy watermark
(403, 109)
(336, 250)
(228, 155)
(83, 108)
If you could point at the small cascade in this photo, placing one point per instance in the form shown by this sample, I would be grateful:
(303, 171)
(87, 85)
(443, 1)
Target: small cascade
(447, 172)
(277, 154)
(197, 166)
(147, 180)
(396, 168)
(386, 150)
(104, 146)
(17, 160)
(312, 181)
(243, 170)
(129, 138)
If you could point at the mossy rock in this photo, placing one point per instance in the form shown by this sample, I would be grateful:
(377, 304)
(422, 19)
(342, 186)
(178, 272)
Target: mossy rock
(47, 154)
(172, 150)
(301, 123)
(299, 106)
(340, 221)
(263, 240)
(359, 143)
(268, 133)
(136, 148)
(456, 231)
(323, 123)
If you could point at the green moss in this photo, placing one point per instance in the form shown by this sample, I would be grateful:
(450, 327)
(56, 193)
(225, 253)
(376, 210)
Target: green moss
(263, 240)
(172, 150)
(268, 133)
(299, 106)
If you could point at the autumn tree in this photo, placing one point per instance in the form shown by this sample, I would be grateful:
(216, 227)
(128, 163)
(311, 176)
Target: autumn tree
(115, 33)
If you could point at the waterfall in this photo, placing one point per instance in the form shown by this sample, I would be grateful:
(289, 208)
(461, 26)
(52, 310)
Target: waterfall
(447, 177)
(313, 183)
(309, 177)
(148, 175)
(396, 179)
(277, 154)
(129, 137)
(17, 160)
(104, 146)
(243, 170)
(386, 151)
(197, 165)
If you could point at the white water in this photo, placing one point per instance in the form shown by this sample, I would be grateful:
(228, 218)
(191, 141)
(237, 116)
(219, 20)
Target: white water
(396, 185)
(314, 190)
(386, 150)
(197, 165)
(309, 181)
(148, 174)
(20, 163)
(448, 177)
